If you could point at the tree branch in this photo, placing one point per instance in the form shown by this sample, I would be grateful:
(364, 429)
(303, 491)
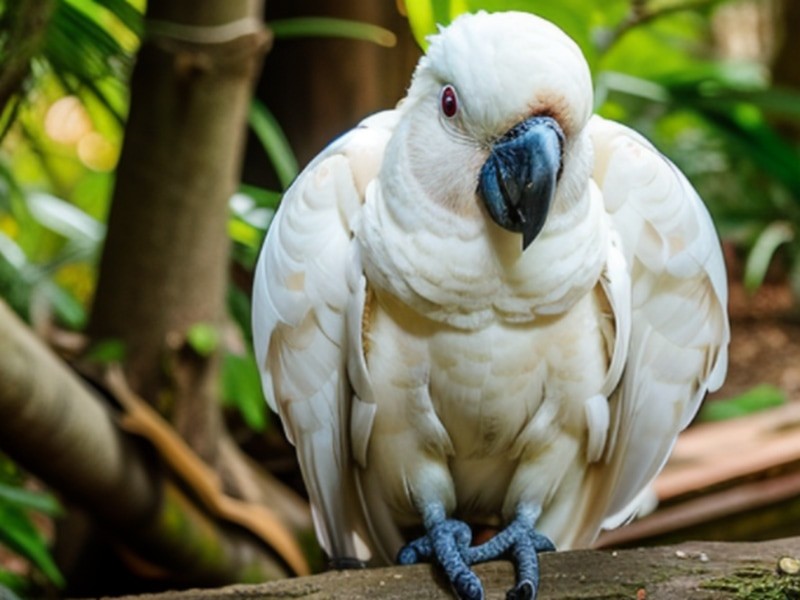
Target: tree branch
(59, 430)
(640, 15)
(689, 571)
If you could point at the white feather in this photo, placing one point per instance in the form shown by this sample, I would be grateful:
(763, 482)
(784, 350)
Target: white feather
(416, 355)
(679, 326)
(301, 299)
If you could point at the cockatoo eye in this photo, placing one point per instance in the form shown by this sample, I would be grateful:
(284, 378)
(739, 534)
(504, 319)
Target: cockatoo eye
(449, 101)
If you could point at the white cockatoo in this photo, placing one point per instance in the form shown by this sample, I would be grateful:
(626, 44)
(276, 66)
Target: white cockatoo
(487, 307)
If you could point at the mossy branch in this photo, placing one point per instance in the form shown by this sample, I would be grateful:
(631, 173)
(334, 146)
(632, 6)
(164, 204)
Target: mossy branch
(689, 571)
(62, 432)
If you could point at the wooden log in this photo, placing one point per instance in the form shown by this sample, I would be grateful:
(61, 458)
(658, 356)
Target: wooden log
(727, 481)
(687, 571)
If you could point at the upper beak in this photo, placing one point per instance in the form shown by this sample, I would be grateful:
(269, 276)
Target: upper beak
(518, 180)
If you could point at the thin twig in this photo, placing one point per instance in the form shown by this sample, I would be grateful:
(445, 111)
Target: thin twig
(639, 14)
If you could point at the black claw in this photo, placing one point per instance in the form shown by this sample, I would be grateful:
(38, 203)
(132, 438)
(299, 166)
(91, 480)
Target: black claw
(524, 590)
(467, 586)
(344, 563)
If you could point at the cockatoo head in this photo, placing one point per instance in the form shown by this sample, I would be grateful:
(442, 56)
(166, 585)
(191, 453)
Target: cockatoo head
(495, 116)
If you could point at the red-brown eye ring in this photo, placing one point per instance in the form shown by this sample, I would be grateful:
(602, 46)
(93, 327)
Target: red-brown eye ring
(449, 101)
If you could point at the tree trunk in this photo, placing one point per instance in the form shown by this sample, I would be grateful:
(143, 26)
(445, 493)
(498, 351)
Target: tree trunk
(785, 70)
(688, 571)
(165, 263)
(320, 87)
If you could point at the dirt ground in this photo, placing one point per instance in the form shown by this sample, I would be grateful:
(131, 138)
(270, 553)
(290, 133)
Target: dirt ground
(765, 341)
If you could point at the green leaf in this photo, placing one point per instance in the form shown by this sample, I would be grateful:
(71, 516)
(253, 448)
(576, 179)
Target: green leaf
(775, 101)
(40, 501)
(578, 18)
(239, 307)
(107, 351)
(760, 143)
(11, 584)
(421, 19)
(19, 534)
(332, 27)
(127, 14)
(203, 338)
(645, 89)
(241, 387)
(761, 397)
(65, 218)
(274, 141)
(263, 197)
(247, 208)
(243, 233)
(760, 256)
(14, 255)
(67, 308)
(93, 57)
(9, 471)
(87, 52)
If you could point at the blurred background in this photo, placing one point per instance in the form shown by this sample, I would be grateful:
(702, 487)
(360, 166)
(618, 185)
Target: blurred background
(138, 177)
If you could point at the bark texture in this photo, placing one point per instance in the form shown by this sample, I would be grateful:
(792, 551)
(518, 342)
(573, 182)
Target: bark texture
(785, 70)
(687, 571)
(54, 426)
(165, 262)
(320, 87)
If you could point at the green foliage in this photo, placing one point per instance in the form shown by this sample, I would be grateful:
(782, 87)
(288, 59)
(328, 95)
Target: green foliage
(274, 142)
(580, 19)
(60, 140)
(771, 238)
(203, 338)
(655, 69)
(106, 352)
(331, 27)
(10, 582)
(241, 388)
(19, 533)
(60, 145)
(761, 397)
(89, 48)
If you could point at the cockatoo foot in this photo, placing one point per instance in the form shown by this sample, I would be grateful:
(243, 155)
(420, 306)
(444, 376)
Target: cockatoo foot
(524, 590)
(523, 543)
(446, 542)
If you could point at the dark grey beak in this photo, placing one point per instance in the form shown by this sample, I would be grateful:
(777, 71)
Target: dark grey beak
(518, 180)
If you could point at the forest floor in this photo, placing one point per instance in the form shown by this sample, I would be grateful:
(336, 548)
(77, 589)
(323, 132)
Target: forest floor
(765, 339)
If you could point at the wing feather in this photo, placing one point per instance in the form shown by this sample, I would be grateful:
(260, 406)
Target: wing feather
(302, 299)
(678, 317)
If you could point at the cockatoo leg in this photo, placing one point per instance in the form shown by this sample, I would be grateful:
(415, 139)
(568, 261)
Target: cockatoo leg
(447, 542)
(523, 543)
